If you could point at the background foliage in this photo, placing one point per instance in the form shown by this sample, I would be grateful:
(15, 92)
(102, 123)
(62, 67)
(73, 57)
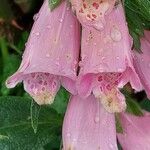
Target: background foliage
(23, 124)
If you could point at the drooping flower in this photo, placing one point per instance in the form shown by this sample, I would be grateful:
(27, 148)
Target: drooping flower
(88, 126)
(142, 62)
(107, 62)
(136, 132)
(92, 13)
(51, 54)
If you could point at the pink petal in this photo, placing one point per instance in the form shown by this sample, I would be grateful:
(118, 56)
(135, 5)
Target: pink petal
(107, 54)
(112, 100)
(87, 126)
(53, 46)
(108, 50)
(147, 35)
(136, 134)
(42, 87)
(142, 64)
(92, 13)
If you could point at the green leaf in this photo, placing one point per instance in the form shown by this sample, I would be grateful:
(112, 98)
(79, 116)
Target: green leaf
(138, 19)
(9, 67)
(16, 132)
(35, 110)
(61, 101)
(54, 3)
(145, 104)
(119, 128)
(133, 107)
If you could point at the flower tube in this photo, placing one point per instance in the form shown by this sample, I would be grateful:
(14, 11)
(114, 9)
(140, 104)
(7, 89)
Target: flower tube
(51, 55)
(107, 63)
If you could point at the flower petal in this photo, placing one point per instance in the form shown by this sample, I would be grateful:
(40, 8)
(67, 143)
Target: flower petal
(108, 51)
(92, 13)
(112, 100)
(87, 126)
(42, 87)
(53, 46)
(142, 64)
(136, 134)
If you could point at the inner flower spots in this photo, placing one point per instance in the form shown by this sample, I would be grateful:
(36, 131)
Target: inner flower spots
(93, 9)
(92, 12)
(107, 92)
(42, 87)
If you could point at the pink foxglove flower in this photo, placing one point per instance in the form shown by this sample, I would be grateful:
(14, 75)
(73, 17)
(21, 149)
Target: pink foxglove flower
(142, 63)
(51, 54)
(93, 13)
(107, 63)
(136, 132)
(88, 126)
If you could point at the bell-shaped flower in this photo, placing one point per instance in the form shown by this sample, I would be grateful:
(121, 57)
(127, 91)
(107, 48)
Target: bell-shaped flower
(88, 126)
(142, 63)
(106, 63)
(93, 13)
(136, 132)
(51, 55)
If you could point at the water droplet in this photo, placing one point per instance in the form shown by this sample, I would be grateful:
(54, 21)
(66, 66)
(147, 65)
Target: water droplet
(37, 33)
(47, 55)
(111, 146)
(61, 20)
(103, 58)
(99, 26)
(95, 44)
(68, 135)
(117, 57)
(57, 63)
(115, 34)
(48, 27)
(74, 140)
(120, 70)
(96, 119)
(36, 16)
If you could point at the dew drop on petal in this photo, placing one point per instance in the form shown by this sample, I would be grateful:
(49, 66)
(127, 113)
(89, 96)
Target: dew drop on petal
(61, 20)
(47, 55)
(48, 27)
(115, 34)
(96, 119)
(37, 33)
(36, 16)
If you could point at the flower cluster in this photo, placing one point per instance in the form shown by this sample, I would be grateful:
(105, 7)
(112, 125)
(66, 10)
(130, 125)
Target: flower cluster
(86, 48)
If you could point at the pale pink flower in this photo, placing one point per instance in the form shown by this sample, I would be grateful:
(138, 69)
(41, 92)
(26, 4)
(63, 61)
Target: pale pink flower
(51, 54)
(88, 126)
(93, 13)
(142, 62)
(136, 132)
(107, 62)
